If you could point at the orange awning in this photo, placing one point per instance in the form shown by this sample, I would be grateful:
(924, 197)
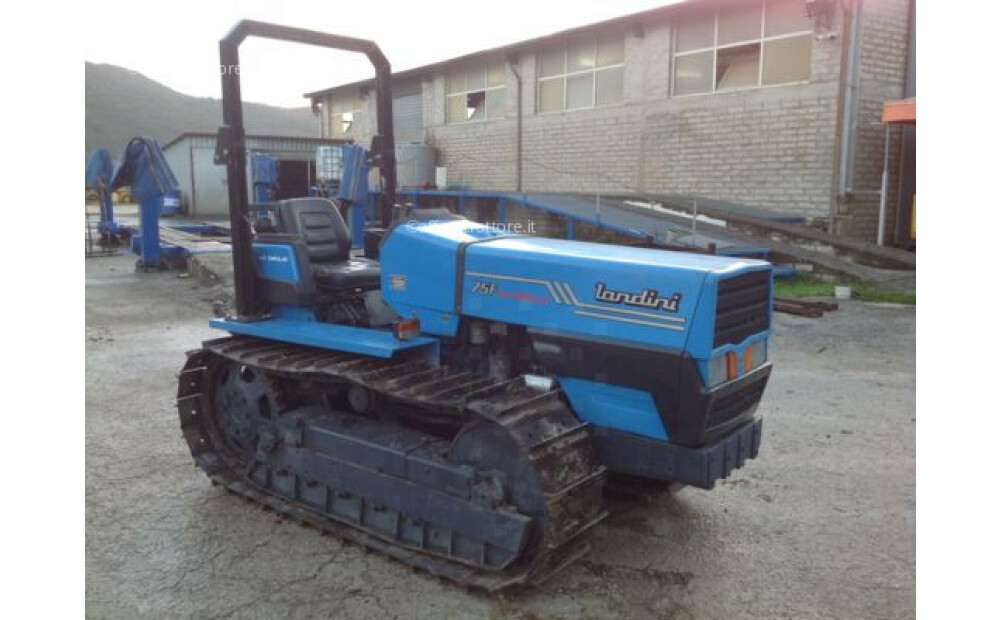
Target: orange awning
(902, 111)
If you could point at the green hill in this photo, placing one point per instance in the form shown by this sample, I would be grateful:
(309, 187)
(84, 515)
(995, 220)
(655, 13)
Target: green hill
(122, 104)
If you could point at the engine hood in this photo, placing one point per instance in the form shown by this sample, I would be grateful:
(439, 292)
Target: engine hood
(644, 297)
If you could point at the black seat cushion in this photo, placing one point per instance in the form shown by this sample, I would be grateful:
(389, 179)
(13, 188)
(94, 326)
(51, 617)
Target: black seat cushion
(349, 274)
(320, 226)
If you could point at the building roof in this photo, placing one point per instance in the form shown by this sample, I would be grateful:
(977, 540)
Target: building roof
(208, 134)
(634, 20)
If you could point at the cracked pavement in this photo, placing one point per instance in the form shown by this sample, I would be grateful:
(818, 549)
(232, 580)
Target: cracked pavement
(820, 525)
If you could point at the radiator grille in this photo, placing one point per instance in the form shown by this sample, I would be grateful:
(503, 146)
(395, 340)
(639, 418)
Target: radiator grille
(733, 405)
(742, 307)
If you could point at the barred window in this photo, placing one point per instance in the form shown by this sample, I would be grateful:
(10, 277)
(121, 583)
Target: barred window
(477, 93)
(760, 44)
(584, 73)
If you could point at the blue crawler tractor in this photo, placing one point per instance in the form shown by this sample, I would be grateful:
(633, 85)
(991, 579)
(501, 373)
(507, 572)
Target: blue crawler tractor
(457, 397)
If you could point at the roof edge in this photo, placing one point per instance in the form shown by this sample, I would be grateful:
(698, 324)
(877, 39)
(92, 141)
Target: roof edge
(659, 11)
(211, 134)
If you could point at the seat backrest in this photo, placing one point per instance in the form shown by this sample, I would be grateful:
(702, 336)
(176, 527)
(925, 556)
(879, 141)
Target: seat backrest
(320, 226)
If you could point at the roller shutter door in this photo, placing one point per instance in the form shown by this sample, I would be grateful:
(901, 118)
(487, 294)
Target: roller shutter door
(408, 114)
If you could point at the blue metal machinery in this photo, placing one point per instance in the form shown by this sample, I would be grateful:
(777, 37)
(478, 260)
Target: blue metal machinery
(455, 397)
(264, 175)
(351, 189)
(172, 204)
(354, 191)
(144, 168)
(100, 169)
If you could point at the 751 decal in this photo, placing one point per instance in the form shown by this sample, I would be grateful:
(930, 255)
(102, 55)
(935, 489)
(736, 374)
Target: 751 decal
(480, 287)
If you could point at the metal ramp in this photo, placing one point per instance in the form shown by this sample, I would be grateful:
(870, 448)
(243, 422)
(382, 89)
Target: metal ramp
(615, 214)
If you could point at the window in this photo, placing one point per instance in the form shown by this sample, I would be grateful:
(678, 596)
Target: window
(344, 122)
(584, 73)
(345, 116)
(478, 93)
(761, 44)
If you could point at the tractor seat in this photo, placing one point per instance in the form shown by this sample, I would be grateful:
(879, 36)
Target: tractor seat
(352, 273)
(327, 241)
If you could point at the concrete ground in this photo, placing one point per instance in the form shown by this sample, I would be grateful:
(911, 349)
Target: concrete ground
(820, 525)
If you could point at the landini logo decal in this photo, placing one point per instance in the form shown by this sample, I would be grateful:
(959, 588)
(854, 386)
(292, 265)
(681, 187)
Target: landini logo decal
(648, 298)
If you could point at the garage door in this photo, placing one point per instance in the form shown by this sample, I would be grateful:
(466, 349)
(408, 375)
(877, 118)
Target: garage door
(211, 193)
(408, 113)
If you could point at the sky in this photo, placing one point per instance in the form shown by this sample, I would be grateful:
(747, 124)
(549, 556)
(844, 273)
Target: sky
(180, 49)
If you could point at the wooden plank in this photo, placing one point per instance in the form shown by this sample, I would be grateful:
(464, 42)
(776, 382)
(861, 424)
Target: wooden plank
(883, 254)
(797, 307)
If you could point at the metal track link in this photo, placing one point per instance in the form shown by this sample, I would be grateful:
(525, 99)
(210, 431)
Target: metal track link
(541, 424)
(568, 470)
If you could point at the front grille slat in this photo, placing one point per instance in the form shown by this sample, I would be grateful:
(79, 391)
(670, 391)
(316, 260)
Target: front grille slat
(738, 333)
(741, 314)
(729, 407)
(742, 307)
(742, 297)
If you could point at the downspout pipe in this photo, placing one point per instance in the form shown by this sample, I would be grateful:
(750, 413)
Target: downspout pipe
(884, 188)
(513, 61)
(849, 119)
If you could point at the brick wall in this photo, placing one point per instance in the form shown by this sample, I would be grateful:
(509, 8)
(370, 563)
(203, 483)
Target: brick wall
(770, 147)
(773, 147)
(767, 149)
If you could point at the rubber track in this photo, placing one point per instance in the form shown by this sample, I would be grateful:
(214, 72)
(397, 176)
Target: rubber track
(567, 469)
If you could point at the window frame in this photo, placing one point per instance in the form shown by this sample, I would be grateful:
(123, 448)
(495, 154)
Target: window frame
(715, 47)
(466, 92)
(566, 75)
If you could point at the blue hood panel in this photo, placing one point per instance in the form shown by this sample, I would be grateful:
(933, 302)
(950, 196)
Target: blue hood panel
(646, 297)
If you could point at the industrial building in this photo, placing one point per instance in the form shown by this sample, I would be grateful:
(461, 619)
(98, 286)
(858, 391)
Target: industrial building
(772, 104)
(203, 183)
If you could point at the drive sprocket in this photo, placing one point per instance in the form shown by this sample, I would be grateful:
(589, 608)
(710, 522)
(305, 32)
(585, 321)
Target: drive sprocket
(247, 401)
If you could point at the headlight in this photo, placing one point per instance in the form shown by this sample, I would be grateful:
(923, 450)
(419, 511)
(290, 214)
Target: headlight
(717, 372)
(755, 354)
(722, 368)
